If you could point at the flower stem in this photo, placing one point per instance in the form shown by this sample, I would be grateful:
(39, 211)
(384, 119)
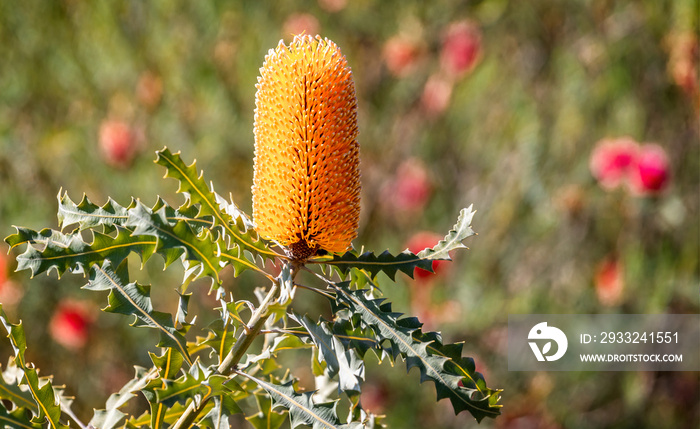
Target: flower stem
(255, 325)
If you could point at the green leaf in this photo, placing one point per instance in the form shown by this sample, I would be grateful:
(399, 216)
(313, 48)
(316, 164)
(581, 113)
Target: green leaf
(218, 416)
(229, 220)
(340, 360)
(88, 215)
(10, 389)
(48, 408)
(199, 253)
(199, 383)
(439, 363)
(301, 406)
(111, 416)
(405, 262)
(168, 364)
(17, 418)
(134, 299)
(70, 253)
(267, 417)
(26, 235)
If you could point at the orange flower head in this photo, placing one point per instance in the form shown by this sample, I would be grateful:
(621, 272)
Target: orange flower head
(306, 184)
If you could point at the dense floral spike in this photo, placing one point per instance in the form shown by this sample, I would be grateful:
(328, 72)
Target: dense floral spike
(306, 186)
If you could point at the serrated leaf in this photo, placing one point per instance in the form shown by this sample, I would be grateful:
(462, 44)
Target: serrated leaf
(424, 351)
(168, 364)
(177, 240)
(267, 417)
(26, 235)
(89, 215)
(17, 418)
(231, 223)
(341, 361)
(165, 416)
(48, 408)
(10, 389)
(301, 406)
(218, 416)
(406, 261)
(70, 253)
(111, 416)
(134, 299)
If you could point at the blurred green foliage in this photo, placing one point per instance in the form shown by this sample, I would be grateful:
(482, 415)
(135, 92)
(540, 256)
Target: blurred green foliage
(552, 79)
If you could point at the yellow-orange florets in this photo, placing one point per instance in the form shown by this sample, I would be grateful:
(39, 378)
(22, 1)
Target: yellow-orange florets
(306, 185)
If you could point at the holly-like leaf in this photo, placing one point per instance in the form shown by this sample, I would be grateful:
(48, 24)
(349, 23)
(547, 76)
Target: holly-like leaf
(111, 416)
(68, 252)
(340, 360)
(10, 389)
(46, 235)
(229, 220)
(424, 352)
(218, 416)
(267, 417)
(17, 418)
(301, 406)
(134, 299)
(48, 407)
(178, 239)
(88, 215)
(406, 261)
(200, 383)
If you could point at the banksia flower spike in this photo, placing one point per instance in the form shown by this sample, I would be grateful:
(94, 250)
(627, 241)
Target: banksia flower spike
(306, 185)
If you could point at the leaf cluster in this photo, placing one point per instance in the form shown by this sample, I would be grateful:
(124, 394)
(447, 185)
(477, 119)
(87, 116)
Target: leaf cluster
(203, 376)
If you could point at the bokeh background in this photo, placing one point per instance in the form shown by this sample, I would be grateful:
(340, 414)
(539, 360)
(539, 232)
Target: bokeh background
(500, 104)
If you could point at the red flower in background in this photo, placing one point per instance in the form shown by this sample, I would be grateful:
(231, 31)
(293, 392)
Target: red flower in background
(118, 143)
(301, 23)
(609, 281)
(436, 96)
(461, 48)
(645, 169)
(650, 174)
(611, 160)
(70, 324)
(420, 241)
(400, 55)
(10, 292)
(409, 190)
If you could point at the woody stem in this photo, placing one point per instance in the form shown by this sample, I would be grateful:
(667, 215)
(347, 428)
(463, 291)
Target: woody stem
(245, 339)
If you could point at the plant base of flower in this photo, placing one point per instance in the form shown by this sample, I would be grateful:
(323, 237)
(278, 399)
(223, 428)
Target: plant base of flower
(301, 251)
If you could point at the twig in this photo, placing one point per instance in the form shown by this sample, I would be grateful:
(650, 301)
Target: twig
(254, 326)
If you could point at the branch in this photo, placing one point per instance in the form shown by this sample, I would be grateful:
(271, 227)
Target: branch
(255, 325)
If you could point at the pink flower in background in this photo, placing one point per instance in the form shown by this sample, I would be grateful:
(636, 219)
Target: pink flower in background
(400, 55)
(436, 95)
(461, 48)
(611, 161)
(301, 23)
(420, 241)
(409, 190)
(609, 281)
(645, 169)
(71, 323)
(118, 143)
(650, 174)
